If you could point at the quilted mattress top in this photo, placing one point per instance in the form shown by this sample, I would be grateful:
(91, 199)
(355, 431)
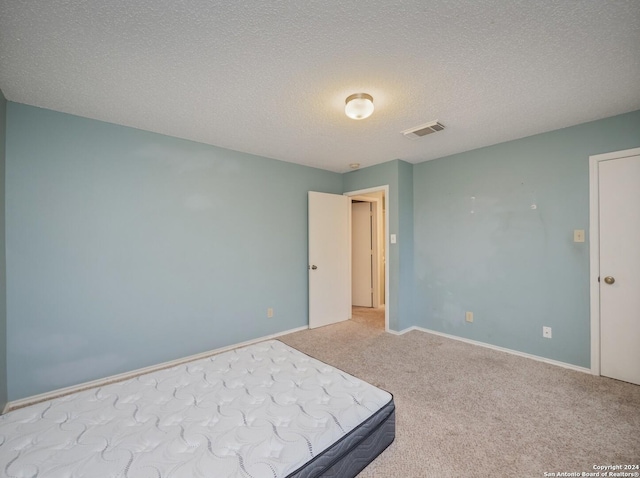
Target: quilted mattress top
(258, 411)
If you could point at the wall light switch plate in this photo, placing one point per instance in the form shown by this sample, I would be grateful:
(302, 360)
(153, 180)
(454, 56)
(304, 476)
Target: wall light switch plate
(578, 235)
(269, 313)
(469, 316)
(393, 238)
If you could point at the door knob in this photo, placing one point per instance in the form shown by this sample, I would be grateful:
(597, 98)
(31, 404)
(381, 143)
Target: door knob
(314, 267)
(609, 280)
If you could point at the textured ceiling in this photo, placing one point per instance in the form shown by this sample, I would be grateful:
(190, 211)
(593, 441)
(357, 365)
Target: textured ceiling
(270, 77)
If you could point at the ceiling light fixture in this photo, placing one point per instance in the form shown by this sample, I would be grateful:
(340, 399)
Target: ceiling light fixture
(359, 106)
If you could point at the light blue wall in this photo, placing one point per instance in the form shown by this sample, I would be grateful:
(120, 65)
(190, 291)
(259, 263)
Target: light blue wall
(406, 235)
(514, 266)
(3, 282)
(127, 248)
(396, 174)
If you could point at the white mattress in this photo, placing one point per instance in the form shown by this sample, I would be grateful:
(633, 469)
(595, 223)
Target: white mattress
(259, 411)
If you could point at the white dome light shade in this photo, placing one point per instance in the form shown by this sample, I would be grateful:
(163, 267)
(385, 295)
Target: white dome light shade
(359, 106)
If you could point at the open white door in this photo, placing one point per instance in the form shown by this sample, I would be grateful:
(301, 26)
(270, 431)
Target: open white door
(329, 260)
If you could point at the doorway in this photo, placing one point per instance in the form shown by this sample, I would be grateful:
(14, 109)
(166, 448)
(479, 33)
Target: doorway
(369, 256)
(614, 260)
(363, 254)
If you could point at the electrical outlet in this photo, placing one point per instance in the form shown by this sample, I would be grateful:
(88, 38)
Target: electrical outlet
(578, 235)
(546, 332)
(469, 317)
(269, 313)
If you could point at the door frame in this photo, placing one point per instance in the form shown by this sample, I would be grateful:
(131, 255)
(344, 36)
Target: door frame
(359, 192)
(594, 248)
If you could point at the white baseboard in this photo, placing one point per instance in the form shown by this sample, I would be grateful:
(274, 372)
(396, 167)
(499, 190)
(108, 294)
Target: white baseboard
(499, 349)
(402, 332)
(124, 376)
(23, 402)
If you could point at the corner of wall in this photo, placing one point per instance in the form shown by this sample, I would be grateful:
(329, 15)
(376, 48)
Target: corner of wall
(3, 282)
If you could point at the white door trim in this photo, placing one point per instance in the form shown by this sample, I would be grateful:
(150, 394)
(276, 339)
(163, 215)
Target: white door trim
(384, 188)
(594, 248)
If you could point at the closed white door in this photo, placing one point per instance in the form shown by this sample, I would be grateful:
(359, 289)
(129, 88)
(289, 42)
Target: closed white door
(329, 261)
(619, 227)
(361, 255)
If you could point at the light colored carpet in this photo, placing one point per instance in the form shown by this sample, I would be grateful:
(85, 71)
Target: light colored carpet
(468, 411)
(368, 316)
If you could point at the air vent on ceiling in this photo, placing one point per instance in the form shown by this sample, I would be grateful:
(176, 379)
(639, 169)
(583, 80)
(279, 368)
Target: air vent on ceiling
(423, 130)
